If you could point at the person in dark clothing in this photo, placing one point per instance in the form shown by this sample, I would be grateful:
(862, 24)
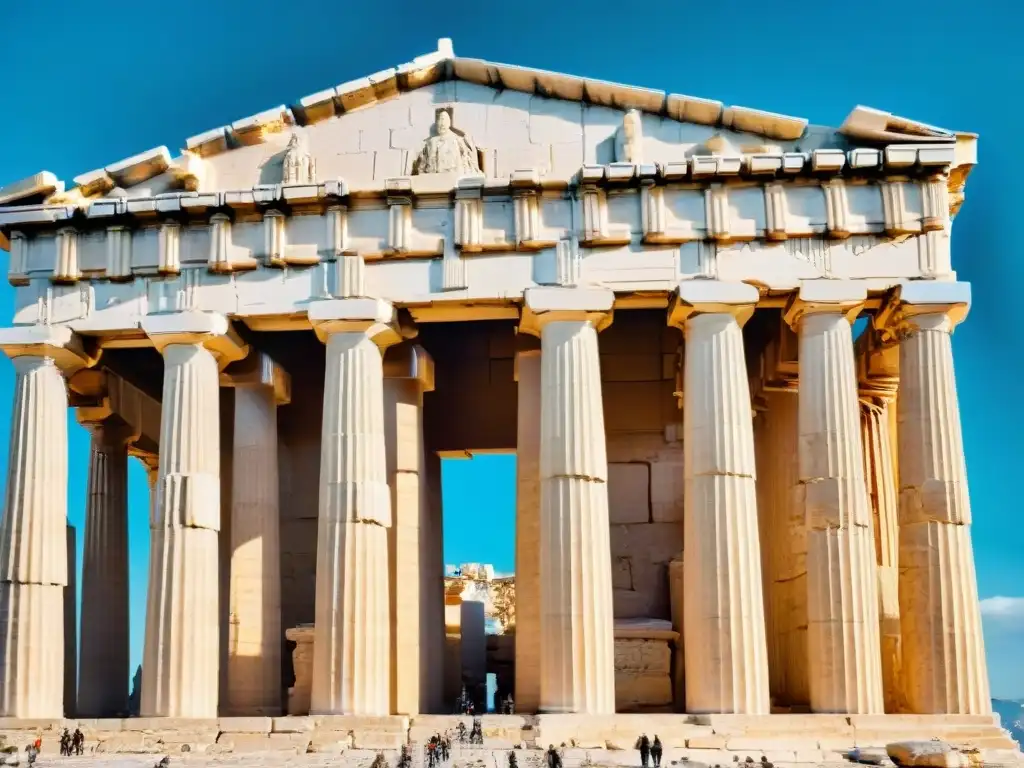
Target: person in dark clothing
(644, 745)
(656, 751)
(554, 759)
(512, 761)
(78, 741)
(65, 743)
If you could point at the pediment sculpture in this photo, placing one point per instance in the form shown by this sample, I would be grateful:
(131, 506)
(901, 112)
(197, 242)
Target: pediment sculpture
(447, 150)
(629, 139)
(298, 166)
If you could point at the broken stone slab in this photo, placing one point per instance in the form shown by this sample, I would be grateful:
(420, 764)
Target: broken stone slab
(869, 756)
(331, 742)
(933, 754)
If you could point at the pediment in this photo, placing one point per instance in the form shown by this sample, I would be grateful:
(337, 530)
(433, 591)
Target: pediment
(503, 119)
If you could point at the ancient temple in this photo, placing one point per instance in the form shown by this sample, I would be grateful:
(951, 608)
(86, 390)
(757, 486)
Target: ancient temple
(717, 340)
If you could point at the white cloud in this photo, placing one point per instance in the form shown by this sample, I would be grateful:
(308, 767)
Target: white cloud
(1003, 608)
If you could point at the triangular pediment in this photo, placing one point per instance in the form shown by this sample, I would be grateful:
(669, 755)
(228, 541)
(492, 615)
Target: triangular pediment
(501, 119)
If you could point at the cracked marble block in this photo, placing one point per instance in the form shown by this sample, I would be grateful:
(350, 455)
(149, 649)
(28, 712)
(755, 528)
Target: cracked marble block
(844, 654)
(726, 662)
(352, 644)
(577, 661)
(33, 556)
(943, 648)
(103, 682)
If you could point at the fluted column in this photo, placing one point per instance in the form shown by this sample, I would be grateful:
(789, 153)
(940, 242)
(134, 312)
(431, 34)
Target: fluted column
(726, 660)
(351, 646)
(181, 656)
(880, 472)
(409, 372)
(33, 532)
(944, 655)
(577, 631)
(103, 686)
(528, 578)
(842, 608)
(255, 636)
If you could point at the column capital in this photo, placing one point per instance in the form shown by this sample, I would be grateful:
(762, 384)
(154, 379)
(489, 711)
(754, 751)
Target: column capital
(911, 300)
(103, 416)
(410, 361)
(259, 369)
(706, 297)
(376, 318)
(544, 305)
(845, 297)
(878, 368)
(211, 330)
(69, 351)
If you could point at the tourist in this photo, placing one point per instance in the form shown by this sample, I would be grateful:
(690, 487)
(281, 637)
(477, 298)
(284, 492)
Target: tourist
(65, 743)
(644, 745)
(656, 751)
(32, 751)
(78, 741)
(512, 762)
(554, 759)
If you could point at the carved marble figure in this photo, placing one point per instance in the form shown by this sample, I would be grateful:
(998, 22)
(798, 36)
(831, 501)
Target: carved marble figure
(629, 139)
(447, 151)
(298, 166)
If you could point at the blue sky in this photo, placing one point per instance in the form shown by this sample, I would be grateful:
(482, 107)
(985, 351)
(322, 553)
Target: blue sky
(85, 86)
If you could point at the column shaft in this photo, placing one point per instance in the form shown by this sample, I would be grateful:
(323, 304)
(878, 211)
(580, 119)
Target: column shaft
(941, 622)
(351, 653)
(71, 629)
(182, 645)
(33, 545)
(403, 417)
(842, 607)
(528, 583)
(723, 617)
(783, 548)
(104, 677)
(254, 647)
(577, 636)
(881, 480)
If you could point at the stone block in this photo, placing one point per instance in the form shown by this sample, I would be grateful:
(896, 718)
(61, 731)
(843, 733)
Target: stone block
(99, 725)
(652, 657)
(130, 741)
(629, 493)
(293, 724)
(370, 739)
(289, 741)
(713, 741)
(242, 742)
(935, 754)
(763, 743)
(634, 691)
(169, 724)
(333, 742)
(245, 724)
(667, 492)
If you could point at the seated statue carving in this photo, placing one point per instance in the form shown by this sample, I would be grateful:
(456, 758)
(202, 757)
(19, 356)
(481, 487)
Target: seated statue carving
(447, 151)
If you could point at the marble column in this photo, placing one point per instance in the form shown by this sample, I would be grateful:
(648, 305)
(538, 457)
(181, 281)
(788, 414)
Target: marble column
(528, 583)
(879, 469)
(783, 547)
(944, 655)
(577, 626)
(255, 637)
(409, 373)
(33, 532)
(71, 629)
(844, 664)
(181, 655)
(352, 643)
(103, 687)
(726, 660)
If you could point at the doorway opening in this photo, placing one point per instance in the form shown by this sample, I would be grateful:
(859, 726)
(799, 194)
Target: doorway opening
(478, 518)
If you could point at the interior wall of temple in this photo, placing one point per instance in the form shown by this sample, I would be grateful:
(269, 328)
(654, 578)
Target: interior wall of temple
(639, 355)
(227, 432)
